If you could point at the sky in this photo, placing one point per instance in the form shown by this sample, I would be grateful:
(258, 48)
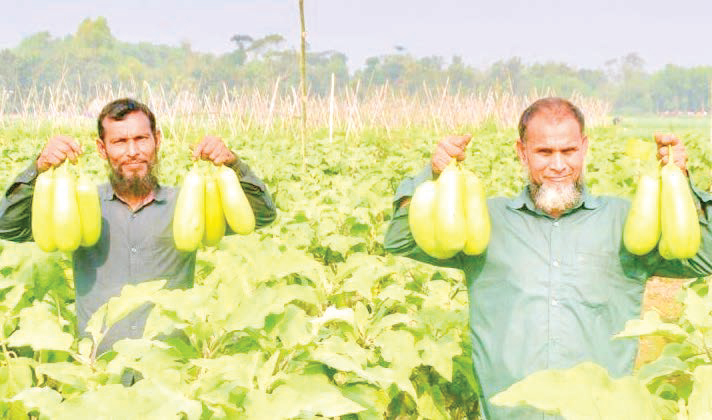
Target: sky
(584, 34)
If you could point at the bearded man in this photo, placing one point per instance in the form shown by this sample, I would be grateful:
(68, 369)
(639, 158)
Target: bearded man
(136, 242)
(555, 283)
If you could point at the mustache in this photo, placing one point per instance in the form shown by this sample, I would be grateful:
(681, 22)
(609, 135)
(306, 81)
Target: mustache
(134, 185)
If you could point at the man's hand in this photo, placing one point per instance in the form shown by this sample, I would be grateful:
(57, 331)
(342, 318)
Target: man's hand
(678, 150)
(448, 148)
(214, 149)
(56, 151)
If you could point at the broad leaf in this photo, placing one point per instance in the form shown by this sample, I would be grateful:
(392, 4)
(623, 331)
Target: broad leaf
(582, 392)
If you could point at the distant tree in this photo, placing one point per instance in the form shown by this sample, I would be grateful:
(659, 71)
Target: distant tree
(239, 56)
(94, 34)
(259, 46)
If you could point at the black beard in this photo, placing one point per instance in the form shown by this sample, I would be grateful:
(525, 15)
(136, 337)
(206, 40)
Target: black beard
(134, 186)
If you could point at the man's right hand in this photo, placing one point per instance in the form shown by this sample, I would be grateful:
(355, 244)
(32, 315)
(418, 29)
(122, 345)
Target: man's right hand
(56, 151)
(448, 148)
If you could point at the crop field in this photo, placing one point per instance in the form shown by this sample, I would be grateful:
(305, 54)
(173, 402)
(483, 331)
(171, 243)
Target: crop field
(306, 318)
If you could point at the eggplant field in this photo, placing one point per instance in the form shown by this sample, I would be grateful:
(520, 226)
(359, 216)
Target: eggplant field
(309, 317)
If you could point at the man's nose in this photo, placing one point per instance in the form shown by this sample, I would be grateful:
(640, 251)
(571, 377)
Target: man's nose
(132, 149)
(557, 162)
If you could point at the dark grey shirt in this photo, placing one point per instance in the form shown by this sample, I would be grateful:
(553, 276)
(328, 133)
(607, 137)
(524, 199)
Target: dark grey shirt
(135, 246)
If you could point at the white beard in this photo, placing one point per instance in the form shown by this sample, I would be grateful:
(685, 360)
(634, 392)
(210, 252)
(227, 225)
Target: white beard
(556, 198)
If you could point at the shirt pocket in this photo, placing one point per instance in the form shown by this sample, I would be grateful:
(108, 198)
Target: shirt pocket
(594, 277)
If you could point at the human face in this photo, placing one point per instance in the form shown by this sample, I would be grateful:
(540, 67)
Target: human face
(129, 147)
(554, 150)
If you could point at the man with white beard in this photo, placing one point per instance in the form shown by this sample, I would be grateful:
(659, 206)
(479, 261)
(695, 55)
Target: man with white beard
(555, 283)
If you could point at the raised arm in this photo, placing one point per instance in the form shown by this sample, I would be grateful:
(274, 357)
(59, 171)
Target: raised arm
(213, 149)
(16, 202)
(399, 239)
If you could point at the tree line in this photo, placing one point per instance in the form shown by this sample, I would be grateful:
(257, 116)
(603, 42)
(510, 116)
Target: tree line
(93, 56)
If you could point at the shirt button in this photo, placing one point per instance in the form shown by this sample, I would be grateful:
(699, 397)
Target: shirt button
(133, 250)
(133, 215)
(133, 327)
(555, 263)
(554, 302)
(556, 223)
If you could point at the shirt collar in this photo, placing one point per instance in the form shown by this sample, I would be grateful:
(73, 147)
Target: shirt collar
(106, 193)
(524, 200)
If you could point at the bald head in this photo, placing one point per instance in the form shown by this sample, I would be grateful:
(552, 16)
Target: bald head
(554, 109)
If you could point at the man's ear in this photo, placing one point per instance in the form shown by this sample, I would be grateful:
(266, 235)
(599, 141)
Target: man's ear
(101, 148)
(158, 138)
(585, 145)
(521, 152)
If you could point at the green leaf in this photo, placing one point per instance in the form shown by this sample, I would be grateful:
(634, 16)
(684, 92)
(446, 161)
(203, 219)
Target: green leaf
(240, 369)
(294, 329)
(439, 353)
(44, 400)
(307, 395)
(10, 301)
(584, 391)
(697, 310)
(266, 373)
(700, 401)
(361, 272)
(251, 312)
(665, 365)
(76, 376)
(389, 321)
(95, 325)
(393, 292)
(375, 400)
(15, 376)
(131, 297)
(337, 353)
(333, 314)
(428, 408)
(438, 294)
(154, 359)
(40, 329)
(651, 325)
(145, 400)
(398, 348)
(384, 377)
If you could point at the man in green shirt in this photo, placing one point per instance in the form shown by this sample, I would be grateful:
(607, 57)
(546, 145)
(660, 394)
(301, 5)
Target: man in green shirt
(136, 242)
(555, 282)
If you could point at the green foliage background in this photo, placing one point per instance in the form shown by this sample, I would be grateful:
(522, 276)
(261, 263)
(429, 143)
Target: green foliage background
(306, 318)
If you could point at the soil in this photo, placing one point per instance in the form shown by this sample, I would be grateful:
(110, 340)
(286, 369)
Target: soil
(662, 295)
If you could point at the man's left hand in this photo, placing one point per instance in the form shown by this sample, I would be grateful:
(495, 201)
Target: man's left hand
(214, 149)
(678, 150)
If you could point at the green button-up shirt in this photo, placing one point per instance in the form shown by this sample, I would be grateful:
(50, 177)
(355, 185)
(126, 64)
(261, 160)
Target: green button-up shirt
(133, 247)
(550, 293)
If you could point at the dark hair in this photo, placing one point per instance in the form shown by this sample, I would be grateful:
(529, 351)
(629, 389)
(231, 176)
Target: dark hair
(119, 109)
(556, 107)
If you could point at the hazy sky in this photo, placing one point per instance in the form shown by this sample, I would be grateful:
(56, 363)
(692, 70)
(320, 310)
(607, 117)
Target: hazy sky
(581, 33)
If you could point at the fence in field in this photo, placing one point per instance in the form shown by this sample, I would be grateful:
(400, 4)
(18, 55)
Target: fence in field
(347, 109)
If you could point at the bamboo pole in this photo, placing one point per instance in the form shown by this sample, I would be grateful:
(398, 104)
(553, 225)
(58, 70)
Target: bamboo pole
(303, 77)
(331, 110)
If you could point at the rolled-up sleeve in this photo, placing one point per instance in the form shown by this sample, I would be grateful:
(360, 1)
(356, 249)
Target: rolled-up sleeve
(701, 264)
(16, 207)
(399, 239)
(256, 191)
